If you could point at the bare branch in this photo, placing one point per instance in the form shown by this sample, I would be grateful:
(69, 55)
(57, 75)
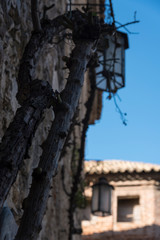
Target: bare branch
(35, 16)
(19, 134)
(126, 24)
(126, 28)
(45, 9)
(122, 115)
(112, 13)
(38, 196)
(34, 97)
(31, 54)
(32, 104)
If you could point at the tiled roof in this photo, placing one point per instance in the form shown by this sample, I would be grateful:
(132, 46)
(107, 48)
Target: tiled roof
(118, 166)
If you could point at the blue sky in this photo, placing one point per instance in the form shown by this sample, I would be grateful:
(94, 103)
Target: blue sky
(140, 139)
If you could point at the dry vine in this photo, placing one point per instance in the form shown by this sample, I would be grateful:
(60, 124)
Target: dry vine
(77, 176)
(34, 96)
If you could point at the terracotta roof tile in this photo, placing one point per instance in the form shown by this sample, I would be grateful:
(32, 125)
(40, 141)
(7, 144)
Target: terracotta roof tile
(115, 166)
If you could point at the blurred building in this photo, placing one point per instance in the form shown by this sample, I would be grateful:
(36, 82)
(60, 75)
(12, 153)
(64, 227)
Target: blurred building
(135, 201)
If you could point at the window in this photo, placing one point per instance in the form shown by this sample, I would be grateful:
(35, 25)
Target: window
(128, 209)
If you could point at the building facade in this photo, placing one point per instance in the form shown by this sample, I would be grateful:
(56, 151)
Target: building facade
(135, 201)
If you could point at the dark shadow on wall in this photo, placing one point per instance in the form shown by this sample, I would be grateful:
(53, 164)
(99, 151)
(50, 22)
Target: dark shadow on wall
(146, 233)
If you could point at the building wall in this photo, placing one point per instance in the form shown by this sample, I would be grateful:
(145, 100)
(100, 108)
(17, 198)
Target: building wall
(15, 31)
(138, 199)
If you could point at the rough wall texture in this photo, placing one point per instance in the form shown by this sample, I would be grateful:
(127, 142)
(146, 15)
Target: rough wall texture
(15, 31)
(141, 217)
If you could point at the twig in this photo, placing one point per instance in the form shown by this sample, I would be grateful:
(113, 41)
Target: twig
(45, 9)
(124, 121)
(112, 13)
(35, 16)
(126, 24)
(123, 26)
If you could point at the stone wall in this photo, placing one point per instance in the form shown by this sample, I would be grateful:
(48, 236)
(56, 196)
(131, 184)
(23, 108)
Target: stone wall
(15, 31)
(143, 214)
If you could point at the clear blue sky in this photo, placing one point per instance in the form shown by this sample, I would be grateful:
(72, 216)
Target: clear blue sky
(140, 139)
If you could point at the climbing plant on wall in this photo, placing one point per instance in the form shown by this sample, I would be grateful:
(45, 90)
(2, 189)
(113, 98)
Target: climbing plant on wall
(34, 96)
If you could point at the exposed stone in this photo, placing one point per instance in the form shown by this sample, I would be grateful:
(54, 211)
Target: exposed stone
(15, 31)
